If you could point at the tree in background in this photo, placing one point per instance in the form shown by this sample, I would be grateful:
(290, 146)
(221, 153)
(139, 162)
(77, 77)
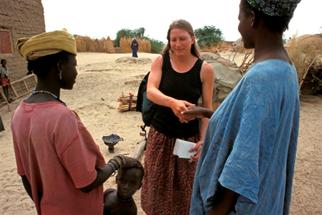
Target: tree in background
(139, 33)
(208, 36)
(125, 33)
(156, 46)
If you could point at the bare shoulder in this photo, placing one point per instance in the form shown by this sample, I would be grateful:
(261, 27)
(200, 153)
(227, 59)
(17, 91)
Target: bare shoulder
(156, 67)
(158, 59)
(207, 66)
(110, 196)
(207, 71)
(108, 192)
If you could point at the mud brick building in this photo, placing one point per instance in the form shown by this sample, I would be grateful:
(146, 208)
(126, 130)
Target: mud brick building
(18, 18)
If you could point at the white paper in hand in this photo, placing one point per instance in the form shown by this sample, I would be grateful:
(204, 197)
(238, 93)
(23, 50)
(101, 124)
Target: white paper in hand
(182, 148)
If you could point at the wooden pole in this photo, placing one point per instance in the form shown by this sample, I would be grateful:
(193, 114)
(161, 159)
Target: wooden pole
(140, 150)
(307, 70)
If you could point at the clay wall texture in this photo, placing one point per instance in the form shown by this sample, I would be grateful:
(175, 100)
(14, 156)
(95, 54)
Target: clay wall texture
(18, 18)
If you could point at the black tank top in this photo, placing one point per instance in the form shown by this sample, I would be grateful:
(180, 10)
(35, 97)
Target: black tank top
(184, 86)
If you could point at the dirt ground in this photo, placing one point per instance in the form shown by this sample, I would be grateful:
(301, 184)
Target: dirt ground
(100, 82)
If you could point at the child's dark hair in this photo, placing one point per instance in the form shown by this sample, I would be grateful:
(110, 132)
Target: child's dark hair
(3, 60)
(274, 23)
(41, 65)
(136, 164)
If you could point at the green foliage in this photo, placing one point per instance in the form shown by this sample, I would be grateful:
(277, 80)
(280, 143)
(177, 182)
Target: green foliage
(156, 46)
(138, 33)
(208, 36)
(122, 33)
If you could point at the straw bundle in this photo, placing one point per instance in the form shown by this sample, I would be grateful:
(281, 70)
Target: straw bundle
(127, 103)
(304, 52)
(87, 44)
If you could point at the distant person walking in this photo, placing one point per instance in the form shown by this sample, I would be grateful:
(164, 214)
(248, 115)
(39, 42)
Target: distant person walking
(1, 125)
(4, 79)
(134, 48)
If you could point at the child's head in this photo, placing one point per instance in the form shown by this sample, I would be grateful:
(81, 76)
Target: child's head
(129, 179)
(3, 62)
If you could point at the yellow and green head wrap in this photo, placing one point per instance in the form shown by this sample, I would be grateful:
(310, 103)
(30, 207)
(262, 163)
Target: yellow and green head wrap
(47, 43)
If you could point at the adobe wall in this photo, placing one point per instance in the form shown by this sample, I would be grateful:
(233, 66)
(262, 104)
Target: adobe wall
(18, 18)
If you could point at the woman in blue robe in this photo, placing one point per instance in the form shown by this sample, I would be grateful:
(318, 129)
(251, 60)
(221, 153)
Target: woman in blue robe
(247, 161)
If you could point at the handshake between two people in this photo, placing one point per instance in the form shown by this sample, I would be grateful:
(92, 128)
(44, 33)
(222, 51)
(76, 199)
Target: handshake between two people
(187, 111)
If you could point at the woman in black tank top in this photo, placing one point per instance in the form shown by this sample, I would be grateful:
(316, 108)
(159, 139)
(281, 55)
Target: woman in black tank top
(177, 81)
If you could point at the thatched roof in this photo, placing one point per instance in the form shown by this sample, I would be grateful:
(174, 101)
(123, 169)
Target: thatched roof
(306, 52)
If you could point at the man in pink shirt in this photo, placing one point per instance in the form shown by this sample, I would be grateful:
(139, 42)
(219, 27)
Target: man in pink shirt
(61, 167)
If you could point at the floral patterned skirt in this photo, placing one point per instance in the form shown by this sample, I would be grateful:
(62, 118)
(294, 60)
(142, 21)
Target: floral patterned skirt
(167, 183)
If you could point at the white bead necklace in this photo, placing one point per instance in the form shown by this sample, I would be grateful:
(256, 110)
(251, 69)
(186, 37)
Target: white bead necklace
(48, 93)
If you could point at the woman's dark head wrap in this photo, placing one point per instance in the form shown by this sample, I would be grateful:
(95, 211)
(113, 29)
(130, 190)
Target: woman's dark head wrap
(275, 7)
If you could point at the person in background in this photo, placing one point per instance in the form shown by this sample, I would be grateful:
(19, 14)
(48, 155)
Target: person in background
(134, 47)
(247, 161)
(4, 79)
(1, 125)
(178, 79)
(61, 167)
(128, 180)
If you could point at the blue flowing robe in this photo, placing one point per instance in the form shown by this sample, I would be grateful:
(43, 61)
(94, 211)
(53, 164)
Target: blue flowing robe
(250, 145)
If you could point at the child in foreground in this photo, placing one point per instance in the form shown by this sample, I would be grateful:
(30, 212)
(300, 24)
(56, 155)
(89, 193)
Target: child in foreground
(120, 201)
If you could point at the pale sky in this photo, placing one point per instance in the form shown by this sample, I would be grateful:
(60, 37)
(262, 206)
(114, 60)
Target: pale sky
(102, 18)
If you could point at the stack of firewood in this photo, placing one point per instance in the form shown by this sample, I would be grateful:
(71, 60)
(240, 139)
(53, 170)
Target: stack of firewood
(127, 103)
